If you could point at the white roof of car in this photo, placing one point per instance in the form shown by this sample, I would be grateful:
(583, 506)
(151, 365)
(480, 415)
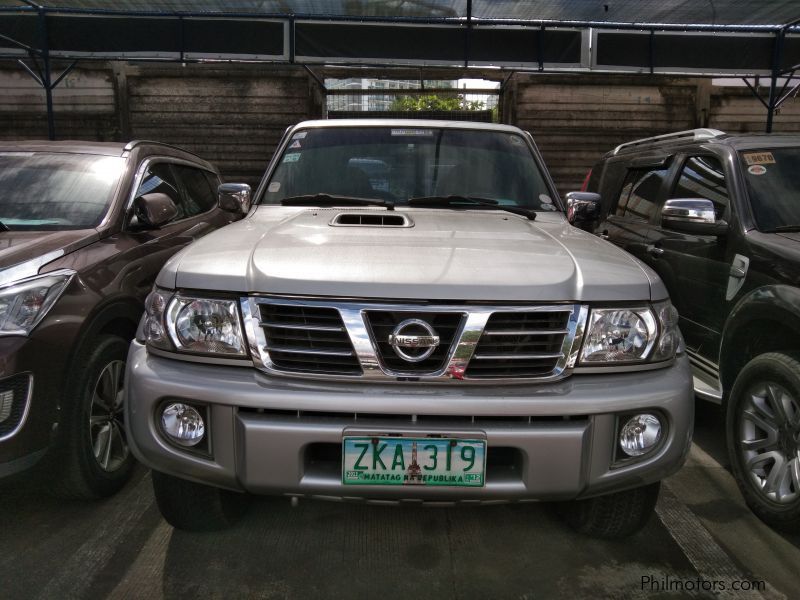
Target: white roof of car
(410, 123)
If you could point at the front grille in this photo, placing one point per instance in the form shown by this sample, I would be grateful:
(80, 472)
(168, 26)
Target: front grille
(520, 344)
(382, 323)
(350, 338)
(13, 401)
(308, 339)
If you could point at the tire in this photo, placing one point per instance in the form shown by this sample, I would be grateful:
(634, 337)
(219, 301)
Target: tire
(612, 516)
(92, 458)
(762, 424)
(195, 507)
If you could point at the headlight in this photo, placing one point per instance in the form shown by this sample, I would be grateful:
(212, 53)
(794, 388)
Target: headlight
(618, 335)
(24, 304)
(193, 325)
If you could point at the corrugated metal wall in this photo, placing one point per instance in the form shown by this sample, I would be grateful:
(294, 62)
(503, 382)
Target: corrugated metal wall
(234, 115)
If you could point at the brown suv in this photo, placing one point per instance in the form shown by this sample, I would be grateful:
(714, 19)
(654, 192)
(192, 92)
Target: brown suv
(84, 229)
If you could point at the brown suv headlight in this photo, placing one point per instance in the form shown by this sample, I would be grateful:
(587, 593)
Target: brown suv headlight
(193, 324)
(23, 304)
(631, 334)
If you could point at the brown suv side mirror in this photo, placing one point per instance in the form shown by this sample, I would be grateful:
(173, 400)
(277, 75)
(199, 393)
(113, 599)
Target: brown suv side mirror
(692, 215)
(583, 208)
(234, 197)
(154, 210)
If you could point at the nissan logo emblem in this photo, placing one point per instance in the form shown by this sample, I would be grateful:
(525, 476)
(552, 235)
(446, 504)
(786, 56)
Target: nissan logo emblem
(413, 340)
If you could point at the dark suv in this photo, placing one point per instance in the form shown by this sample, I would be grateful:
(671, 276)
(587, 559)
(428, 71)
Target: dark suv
(718, 217)
(85, 228)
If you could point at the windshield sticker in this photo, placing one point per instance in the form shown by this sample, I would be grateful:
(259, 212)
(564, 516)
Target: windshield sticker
(299, 135)
(294, 144)
(545, 199)
(293, 157)
(757, 169)
(759, 158)
(274, 187)
(413, 132)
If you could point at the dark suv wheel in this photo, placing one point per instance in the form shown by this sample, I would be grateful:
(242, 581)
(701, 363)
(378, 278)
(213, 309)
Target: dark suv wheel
(195, 507)
(94, 445)
(763, 430)
(612, 516)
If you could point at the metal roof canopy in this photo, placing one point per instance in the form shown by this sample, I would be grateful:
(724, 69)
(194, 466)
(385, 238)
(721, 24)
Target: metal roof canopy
(727, 37)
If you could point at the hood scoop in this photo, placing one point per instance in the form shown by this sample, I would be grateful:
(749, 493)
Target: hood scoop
(370, 219)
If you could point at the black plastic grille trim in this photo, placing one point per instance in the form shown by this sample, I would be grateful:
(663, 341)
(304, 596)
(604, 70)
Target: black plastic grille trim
(18, 384)
(520, 344)
(308, 339)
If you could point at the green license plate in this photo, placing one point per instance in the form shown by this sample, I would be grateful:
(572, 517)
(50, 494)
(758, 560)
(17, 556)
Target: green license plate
(413, 461)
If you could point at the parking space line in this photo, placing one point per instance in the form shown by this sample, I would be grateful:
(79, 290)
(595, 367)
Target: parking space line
(712, 563)
(74, 576)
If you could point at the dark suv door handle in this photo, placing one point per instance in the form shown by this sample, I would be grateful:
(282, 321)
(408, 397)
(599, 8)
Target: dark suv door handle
(655, 250)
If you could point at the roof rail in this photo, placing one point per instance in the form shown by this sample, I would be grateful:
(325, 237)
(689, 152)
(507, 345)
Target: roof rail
(688, 135)
(133, 143)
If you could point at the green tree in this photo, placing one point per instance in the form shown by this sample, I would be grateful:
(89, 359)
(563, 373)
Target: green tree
(432, 102)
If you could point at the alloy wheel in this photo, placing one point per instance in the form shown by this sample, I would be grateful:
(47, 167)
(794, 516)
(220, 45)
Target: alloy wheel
(769, 433)
(106, 421)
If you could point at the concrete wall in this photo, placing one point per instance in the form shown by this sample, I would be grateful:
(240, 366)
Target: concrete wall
(233, 115)
(576, 119)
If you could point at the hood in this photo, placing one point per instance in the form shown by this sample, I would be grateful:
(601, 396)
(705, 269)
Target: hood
(19, 247)
(445, 255)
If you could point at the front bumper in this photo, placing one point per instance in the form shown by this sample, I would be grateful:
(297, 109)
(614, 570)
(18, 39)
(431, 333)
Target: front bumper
(31, 370)
(283, 436)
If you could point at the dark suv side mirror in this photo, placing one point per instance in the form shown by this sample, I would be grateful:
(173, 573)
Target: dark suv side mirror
(692, 215)
(154, 209)
(234, 197)
(583, 209)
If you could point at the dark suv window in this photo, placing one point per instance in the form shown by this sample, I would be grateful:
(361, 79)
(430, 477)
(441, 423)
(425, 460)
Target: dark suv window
(703, 177)
(639, 196)
(188, 187)
(200, 196)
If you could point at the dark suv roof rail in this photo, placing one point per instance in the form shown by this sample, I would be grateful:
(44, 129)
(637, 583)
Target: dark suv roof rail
(133, 143)
(703, 133)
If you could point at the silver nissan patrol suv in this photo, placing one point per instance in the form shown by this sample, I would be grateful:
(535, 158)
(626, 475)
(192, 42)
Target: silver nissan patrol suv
(407, 315)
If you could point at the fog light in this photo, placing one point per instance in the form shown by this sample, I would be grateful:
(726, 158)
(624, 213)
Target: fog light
(640, 434)
(183, 424)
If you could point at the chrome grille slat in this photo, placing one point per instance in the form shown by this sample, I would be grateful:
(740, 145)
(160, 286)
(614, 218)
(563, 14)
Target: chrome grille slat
(349, 339)
(309, 351)
(528, 332)
(302, 326)
(540, 356)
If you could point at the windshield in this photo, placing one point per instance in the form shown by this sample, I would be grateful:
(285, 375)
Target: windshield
(773, 185)
(398, 163)
(51, 191)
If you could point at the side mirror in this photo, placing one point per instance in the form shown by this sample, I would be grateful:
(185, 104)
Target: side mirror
(583, 208)
(692, 215)
(234, 197)
(154, 210)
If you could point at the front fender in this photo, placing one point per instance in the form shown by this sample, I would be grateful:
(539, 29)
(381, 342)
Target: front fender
(778, 304)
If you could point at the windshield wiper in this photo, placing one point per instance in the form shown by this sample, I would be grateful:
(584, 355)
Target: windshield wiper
(332, 200)
(784, 229)
(471, 201)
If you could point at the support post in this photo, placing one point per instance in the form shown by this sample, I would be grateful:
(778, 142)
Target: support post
(777, 56)
(46, 77)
